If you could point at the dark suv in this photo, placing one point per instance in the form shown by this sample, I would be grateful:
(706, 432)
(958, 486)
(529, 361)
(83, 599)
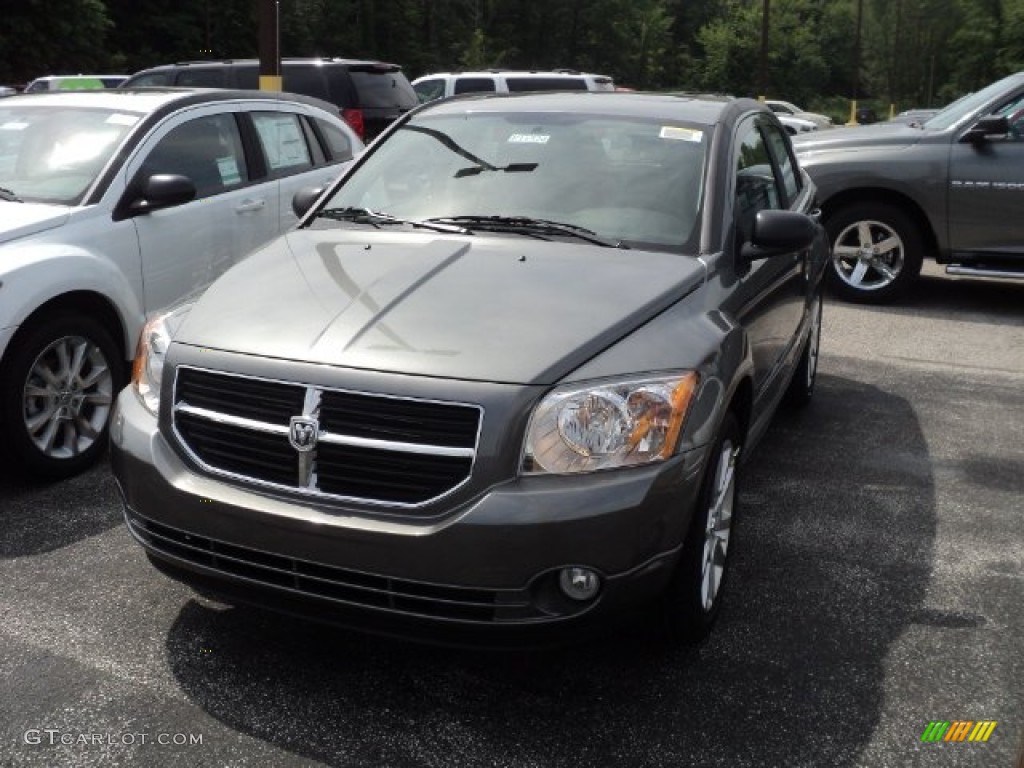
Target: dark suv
(369, 94)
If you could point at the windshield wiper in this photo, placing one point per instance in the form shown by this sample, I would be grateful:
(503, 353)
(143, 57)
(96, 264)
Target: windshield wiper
(476, 170)
(528, 226)
(377, 218)
(6, 194)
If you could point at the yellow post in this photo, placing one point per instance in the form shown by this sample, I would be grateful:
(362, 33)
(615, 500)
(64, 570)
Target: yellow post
(853, 113)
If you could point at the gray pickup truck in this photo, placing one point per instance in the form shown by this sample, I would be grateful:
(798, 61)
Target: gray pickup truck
(951, 187)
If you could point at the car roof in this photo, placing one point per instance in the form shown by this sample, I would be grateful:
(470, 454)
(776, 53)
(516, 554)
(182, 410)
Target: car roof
(694, 108)
(251, 62)
(151, 99)
(512, 73)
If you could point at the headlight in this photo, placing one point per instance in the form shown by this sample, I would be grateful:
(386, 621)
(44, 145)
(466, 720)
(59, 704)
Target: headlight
(602, 426)
(148, 368)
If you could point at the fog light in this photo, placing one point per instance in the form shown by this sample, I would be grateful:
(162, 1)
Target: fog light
(579, 583)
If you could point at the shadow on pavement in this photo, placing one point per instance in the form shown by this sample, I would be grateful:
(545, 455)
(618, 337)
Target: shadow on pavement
(942, 296)
(38, 517)
(832, 561)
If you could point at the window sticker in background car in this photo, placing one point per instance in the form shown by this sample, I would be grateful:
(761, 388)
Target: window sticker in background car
(228, 168)
(680, 134)
(282, 140)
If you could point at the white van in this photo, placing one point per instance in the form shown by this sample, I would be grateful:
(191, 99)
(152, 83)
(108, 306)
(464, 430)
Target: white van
(441, 84)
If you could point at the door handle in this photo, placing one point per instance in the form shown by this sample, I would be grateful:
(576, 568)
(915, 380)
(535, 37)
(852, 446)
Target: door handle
(250, 206)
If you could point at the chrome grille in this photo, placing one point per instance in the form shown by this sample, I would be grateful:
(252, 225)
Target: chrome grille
(370, 448)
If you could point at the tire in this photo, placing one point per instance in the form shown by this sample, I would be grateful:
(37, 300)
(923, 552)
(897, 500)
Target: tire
(877, 252)
(57, 391)
(801, 386)
(692, 602)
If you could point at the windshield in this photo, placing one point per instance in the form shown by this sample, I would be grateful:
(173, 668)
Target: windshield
(959, 109)
(51, 154)
(628, 180)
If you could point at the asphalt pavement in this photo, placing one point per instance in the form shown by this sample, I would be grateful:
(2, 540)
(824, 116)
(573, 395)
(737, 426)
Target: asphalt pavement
(878, 586)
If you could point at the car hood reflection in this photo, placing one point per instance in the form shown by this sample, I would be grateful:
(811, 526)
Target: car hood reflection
(504, 309)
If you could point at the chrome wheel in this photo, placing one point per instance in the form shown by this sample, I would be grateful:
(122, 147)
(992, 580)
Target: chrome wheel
(67, 397)
(718, 527)
(868, 255)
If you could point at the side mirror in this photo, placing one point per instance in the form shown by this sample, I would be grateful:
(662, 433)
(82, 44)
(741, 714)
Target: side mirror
(778, 232)
(161, 190)
(304, 199)
(988, 127)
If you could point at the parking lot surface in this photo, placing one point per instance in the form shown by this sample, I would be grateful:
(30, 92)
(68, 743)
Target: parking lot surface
(878, 586)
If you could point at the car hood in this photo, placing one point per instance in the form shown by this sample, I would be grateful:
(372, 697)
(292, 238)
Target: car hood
(23, 219)
(502, 309)
(875, 135)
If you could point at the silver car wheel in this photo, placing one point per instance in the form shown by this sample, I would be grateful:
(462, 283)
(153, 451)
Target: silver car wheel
(67, 397)
(719, 524)
(868, 255)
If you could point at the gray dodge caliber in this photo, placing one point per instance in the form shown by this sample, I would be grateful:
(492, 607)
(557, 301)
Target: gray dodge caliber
(498, 383)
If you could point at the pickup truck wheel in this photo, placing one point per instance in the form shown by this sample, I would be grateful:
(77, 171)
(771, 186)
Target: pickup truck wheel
(876, 252)
(692, 601)
(801, 387)
(56, 395)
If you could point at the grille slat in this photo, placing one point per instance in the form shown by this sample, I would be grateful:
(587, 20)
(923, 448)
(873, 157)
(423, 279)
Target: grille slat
(237, 396)
(251, 451)
(341, 584)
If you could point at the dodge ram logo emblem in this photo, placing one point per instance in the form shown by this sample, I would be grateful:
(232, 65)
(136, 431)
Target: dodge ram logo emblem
(302, 433)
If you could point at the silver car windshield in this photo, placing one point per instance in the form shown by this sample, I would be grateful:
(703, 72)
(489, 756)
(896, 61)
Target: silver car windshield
(630, 180)
(54, 154)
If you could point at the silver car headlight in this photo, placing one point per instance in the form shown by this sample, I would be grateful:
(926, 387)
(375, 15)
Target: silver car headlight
(148, 368)
(606, 425)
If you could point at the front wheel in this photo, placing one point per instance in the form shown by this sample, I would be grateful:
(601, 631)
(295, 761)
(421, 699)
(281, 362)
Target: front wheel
(694, 597)
(57, 393)
(877, 252)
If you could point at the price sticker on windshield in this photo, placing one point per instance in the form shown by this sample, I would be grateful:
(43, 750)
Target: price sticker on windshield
(680, 134)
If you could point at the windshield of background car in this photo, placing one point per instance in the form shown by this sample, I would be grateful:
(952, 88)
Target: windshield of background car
(53, 154)
(636, 180)
(959, 109)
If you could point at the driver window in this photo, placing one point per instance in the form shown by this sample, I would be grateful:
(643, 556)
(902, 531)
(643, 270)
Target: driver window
(756, 186)
(208, 150)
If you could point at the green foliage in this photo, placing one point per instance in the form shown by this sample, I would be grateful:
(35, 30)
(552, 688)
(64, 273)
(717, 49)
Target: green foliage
(912, 52)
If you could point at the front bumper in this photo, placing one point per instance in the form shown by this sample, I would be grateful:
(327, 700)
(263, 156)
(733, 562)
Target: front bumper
(484, 572)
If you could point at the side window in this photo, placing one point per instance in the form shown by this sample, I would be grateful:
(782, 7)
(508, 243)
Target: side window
(339, 146)
(779, 149)
(519, 84)
(282, 141)
(308, 80)
(474, 85)
(207, 149)
(1014, 112)
(429, 90)
(201, 78)
(756, 188)
(154, 79)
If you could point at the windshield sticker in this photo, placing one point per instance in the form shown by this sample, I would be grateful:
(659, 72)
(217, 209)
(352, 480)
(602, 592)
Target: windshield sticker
(528, 138)
(680, 134)
(122, 119)
(13, 126)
